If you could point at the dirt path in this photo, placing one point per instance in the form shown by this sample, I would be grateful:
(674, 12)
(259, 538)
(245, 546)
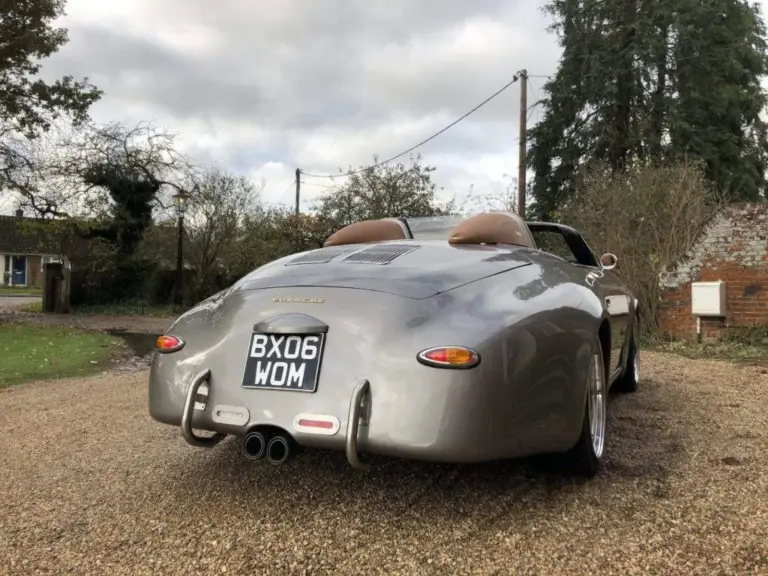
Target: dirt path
(11, 302)
(92, 486)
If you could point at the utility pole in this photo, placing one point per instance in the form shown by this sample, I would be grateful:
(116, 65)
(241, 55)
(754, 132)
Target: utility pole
(298, 188)
(521, 153)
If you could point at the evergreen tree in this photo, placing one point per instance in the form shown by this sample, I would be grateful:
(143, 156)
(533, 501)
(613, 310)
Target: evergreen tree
(649, 81)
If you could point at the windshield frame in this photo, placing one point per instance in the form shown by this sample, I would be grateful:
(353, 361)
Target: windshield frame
(432, 227)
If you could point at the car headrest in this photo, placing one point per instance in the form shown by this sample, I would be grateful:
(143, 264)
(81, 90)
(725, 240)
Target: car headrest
(367, 231)
(493, 228)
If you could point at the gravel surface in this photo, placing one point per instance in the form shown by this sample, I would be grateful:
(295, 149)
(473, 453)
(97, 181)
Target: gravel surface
(90, 485)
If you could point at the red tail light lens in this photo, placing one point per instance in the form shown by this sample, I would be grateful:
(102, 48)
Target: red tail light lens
(449, 357)
(168, 344)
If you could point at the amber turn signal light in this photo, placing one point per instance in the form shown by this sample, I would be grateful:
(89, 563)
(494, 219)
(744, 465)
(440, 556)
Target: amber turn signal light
(169, 344)
(449, 357)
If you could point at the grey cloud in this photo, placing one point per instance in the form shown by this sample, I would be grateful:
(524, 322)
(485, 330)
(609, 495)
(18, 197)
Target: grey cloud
(291, 68)
(302, 67)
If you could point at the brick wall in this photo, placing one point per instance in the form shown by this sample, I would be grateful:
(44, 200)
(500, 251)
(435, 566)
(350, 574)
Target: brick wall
(733, 248)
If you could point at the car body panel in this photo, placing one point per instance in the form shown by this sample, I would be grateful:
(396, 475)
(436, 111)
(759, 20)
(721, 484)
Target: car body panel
(530, 316)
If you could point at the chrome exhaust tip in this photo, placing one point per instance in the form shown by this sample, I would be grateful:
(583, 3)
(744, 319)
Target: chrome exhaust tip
(278, 450)
(254, 446)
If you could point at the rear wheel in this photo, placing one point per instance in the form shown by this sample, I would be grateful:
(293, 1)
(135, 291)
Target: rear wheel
(585, 457)
(631, 377)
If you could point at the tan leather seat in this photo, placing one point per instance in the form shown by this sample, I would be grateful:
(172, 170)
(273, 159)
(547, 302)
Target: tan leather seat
(367, 231)
(493, 228)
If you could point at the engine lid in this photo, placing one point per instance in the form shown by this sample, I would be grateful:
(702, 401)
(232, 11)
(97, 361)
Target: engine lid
(406, 268)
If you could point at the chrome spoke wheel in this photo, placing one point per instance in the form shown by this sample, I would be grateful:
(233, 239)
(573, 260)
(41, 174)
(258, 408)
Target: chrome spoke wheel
(636, 365)
(596, 405)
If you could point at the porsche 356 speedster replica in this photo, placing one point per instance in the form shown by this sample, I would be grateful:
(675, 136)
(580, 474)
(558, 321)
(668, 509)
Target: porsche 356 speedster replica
(441, 339)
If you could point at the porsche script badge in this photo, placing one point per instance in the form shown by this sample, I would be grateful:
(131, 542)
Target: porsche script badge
(299, 300)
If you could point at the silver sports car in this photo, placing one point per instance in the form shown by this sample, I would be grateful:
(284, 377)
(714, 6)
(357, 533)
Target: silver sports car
(442, 339)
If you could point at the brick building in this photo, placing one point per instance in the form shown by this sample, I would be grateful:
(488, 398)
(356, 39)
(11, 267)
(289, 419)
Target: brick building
(733, 248)
(21, 257)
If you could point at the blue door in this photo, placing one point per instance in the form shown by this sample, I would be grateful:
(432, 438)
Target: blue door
(19, 271)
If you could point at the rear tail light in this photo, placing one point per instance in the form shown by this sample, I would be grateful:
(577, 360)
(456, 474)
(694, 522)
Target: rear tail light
(449, 357)
(167, 344)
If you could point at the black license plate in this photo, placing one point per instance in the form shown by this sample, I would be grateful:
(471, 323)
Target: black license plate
(284, 362)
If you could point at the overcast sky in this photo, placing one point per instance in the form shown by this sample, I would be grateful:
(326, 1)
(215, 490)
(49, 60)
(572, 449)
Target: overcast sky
(263, 87)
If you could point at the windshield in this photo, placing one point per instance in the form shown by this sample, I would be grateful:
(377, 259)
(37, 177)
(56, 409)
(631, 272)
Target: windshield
(433, 227)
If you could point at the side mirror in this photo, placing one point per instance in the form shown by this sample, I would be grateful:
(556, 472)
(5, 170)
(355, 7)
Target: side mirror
(608, 261)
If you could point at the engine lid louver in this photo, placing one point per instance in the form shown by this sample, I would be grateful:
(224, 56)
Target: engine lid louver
(380, 254)
(322, 255)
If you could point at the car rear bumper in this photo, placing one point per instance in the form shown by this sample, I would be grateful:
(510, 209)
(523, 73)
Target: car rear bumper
(461, 418)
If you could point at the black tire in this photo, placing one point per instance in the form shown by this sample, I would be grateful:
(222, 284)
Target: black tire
(629, 381)
(582, 459)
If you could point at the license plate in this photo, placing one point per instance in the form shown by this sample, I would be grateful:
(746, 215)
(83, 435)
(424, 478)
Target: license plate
(284, 362)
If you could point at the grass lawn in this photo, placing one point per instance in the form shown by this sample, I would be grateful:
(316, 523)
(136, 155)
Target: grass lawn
(112, 310)
(126, 309)
(19, 290)
(29, 352)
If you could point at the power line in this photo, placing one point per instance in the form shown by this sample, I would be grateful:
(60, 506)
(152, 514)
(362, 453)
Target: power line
(291, 185)
(412, 148)
(515, 78)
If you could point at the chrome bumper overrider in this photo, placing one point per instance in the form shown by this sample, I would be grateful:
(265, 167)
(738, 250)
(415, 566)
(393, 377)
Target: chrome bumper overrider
(353, 423)
(357, 416)
(189, 410)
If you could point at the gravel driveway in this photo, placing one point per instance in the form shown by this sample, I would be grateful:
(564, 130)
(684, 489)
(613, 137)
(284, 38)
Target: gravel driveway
(90, 485)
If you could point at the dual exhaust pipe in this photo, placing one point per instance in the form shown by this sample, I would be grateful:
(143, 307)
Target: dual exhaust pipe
(277, 448)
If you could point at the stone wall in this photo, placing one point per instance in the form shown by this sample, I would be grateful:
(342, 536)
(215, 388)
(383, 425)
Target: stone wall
(733, 248)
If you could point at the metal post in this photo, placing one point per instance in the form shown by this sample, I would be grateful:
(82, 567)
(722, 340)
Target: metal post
(298, 188)
(522, 143)
(179, 300)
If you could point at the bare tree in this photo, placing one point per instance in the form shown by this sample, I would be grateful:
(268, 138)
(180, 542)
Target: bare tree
(63, 172)
(29, 105)
(218, 208)
(381, 191)
(649, 217)
(474, 203)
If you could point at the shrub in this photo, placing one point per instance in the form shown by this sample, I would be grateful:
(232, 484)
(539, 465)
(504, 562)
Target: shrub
(649, 217)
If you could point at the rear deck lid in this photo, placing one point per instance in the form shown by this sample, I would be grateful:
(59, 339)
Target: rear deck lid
(406, 268)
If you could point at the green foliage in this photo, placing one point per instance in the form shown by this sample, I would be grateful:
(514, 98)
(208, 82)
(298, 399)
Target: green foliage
(120, 176)
(131, 307)
(218, 252)
(132, 193)
(647, 81)
(219, 209)
(33, 352)
(381, 192)
(26, 102)
(60, 236)
(275, 233)
(755, 335)
(20, 290)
